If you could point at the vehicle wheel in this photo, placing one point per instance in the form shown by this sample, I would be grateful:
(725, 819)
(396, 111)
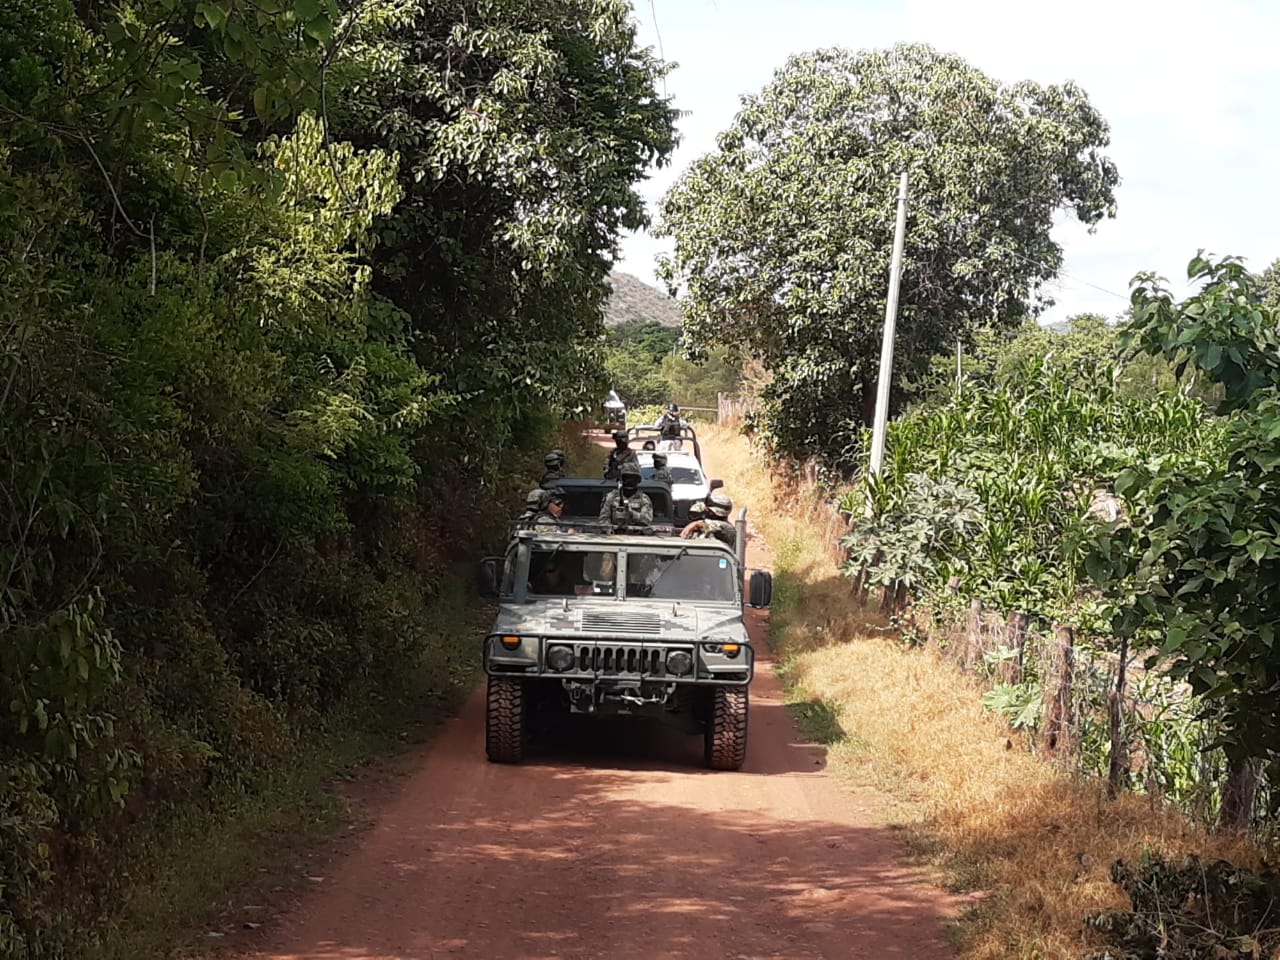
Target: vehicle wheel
(726, 734)
(504, 726)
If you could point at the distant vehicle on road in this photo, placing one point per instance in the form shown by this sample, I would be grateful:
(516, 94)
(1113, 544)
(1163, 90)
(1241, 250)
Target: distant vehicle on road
(615, 411)
(651, 439)
(688, 482)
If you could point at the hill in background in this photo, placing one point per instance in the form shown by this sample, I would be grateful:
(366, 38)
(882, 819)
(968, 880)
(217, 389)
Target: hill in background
(634, 300)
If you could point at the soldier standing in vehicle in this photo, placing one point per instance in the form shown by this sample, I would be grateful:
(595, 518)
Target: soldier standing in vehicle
(717, 523)
(534, 502)
(548, 518)
(627, 506)
(554, 471)
(669, 427)
(660, 469)
(622, 453)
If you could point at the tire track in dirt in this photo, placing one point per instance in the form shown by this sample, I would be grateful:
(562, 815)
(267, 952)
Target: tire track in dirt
(612, 841)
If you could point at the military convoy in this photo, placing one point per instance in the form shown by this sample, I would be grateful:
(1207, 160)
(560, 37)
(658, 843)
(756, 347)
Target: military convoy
(640, 623)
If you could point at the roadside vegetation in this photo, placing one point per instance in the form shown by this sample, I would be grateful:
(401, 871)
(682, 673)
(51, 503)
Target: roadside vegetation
(1031, 840)
(280, 335)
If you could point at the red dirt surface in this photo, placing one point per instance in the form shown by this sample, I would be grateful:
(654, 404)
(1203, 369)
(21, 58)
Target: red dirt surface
(611, 841)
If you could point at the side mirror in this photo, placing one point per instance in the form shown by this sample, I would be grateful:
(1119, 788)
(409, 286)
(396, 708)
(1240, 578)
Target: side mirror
(760, 588)
(488, 576)
(717, 484)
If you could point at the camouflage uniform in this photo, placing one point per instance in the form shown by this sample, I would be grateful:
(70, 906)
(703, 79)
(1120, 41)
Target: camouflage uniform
(617, 457)
(716, 523)
(661, 471)
(722, 530)
(546, 522)
(535, 502)
(619, 510)
(553, 463)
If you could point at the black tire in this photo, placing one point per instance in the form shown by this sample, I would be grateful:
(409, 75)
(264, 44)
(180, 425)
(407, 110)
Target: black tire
(504, 728)
(726, 734)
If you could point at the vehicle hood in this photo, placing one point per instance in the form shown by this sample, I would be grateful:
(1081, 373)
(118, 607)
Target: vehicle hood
(625, 620)
(689, 491)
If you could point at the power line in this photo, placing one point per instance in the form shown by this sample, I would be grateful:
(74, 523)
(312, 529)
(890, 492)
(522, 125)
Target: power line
(1071, 276)
(653, 9)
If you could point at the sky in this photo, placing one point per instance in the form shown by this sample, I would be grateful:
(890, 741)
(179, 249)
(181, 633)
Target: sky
(1191, 91)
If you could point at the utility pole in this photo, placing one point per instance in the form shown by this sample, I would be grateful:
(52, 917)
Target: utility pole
(886, 347)
(959, 366)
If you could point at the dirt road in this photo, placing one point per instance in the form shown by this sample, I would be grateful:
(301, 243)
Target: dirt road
(613, 842)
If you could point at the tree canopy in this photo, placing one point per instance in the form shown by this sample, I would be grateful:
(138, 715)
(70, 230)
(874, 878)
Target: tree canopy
(783, 233)
(277, 274)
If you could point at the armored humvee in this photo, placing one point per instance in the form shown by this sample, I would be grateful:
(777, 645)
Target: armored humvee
(598, 623)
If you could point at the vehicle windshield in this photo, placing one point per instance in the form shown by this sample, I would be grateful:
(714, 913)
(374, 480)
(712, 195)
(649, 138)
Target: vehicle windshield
(567, 573)
(678, 474)
(680, 576)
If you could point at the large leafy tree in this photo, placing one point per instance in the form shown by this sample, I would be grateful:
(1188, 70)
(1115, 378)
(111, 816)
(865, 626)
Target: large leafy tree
(783, 233)
(523, 129)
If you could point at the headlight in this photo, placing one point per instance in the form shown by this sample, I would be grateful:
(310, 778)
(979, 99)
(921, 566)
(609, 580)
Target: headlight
(560, 658)
(679, 663)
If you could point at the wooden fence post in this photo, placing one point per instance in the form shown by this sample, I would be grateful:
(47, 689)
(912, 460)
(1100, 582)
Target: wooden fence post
(973, 635)
(1011, 670)
(1118, 769)
(1060, 722)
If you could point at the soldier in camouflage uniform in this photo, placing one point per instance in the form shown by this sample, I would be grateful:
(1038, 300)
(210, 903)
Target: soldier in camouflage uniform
(548, 518)
(554, 469)
(717, 523)
(621, 454)
(660, 469)
(627, 506)
(535, 500)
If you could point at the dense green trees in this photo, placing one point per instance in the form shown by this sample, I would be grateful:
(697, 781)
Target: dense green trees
(277, 276)
(783, 234)
(634, 356)
(1194, 563)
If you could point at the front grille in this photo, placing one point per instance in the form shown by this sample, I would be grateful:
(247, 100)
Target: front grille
(620, 660)
(635, 624)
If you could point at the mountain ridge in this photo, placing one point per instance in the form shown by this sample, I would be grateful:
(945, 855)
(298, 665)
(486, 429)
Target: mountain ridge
(633, 301)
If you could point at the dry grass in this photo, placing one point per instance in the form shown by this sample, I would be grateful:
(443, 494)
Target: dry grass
(1035, 840)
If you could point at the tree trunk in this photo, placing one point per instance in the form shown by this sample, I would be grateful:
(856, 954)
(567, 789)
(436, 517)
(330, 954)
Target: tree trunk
(867, 403)
(1239, 790)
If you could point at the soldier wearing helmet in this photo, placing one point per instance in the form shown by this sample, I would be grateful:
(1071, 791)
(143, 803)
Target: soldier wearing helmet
(534, 502)
(554, 468)
(547, 519)
(622, 453)
(717, 523)
(661, 471)
(626, 507)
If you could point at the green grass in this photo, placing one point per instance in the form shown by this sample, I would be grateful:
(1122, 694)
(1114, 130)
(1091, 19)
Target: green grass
(206, 867)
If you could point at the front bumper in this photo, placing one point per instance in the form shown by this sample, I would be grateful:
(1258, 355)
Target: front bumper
(606, 660)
